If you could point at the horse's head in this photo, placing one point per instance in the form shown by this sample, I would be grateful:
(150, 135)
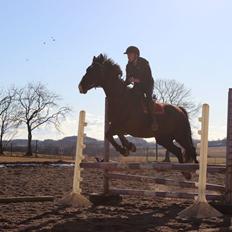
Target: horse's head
(93, 76)
(96, 73)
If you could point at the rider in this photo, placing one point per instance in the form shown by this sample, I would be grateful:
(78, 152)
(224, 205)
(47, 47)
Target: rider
(138, 72)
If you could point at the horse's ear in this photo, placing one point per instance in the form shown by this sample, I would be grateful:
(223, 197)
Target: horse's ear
(94, 58)
(101, 57)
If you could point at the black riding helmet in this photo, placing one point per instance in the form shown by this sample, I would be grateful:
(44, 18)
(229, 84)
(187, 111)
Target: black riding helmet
(132, 49)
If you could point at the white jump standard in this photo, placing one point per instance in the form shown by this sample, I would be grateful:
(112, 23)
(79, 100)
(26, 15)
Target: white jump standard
(75, 198)
(201, 208)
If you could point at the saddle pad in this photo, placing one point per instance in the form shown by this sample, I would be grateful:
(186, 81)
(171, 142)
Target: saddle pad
(159, 108)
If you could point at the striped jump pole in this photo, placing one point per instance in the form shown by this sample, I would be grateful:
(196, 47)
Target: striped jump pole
(75, 198)
(201, 208)
(159, 166)
(164, 181)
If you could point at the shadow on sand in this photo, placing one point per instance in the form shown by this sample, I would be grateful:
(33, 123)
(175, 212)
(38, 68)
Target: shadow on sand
(112, 219)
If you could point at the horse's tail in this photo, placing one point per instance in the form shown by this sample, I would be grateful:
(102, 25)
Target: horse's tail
(184, 111)
(187, 116)
(188, 128)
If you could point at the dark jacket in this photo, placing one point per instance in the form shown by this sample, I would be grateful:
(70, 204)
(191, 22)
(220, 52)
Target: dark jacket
(140, 70)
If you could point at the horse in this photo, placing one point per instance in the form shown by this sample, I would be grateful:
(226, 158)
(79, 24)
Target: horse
(127, 115)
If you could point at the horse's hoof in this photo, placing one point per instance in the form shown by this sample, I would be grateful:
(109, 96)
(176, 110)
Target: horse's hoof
(125, 152)
(132, 147)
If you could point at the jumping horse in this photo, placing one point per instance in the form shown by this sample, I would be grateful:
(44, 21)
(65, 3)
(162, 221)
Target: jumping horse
(127, 115)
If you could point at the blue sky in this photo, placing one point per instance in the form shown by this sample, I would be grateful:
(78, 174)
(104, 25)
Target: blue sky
(189, 41)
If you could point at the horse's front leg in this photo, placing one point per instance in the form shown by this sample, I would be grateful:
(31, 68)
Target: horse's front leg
(125, 143)
(109, 135)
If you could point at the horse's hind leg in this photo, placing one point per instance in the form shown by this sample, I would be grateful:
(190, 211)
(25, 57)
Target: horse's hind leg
(190, 151)
(171, 147)
(125, 143)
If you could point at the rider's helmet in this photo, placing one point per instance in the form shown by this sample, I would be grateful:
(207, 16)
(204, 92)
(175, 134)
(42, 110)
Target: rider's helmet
(132, 49)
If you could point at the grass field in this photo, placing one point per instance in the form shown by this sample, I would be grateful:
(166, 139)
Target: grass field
(17, 157)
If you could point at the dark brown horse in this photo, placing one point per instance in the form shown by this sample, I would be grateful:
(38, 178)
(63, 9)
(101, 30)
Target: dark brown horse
(127, 116)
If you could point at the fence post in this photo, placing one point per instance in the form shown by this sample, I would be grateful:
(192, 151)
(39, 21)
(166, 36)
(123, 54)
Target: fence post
(106, 197)
(36, 148)
(229, 152)
(11, 148)
(106, 150)
(201, 208)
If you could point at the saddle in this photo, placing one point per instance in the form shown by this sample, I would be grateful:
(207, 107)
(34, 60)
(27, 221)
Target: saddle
(159, 107)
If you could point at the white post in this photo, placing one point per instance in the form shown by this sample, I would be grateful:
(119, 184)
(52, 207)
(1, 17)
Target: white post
(203, 153)
(79, 153)
(75, 198)
(201, 208)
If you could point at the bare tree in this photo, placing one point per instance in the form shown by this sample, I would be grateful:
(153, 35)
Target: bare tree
(39, 106)
(8, 117)
(175, 93)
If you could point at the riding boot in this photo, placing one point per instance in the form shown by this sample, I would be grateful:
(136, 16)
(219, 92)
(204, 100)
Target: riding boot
(151, 109)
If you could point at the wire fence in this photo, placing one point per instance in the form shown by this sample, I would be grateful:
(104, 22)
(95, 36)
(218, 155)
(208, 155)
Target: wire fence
(146, 154)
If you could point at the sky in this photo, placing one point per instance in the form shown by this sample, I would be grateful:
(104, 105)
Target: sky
(53, 42)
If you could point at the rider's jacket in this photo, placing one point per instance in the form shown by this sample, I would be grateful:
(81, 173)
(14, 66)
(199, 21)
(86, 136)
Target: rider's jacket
(140, 69)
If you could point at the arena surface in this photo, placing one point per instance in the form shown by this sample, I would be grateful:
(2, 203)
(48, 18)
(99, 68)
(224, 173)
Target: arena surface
(133, 214)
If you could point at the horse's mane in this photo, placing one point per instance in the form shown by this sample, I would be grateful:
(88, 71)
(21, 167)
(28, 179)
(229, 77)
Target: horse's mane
(111, 65)
(104, 60)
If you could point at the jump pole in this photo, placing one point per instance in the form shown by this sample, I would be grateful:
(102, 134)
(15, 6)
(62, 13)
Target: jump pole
(201, 208)
(75, 198)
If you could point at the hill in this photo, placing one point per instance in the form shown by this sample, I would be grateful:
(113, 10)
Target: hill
(67, 145)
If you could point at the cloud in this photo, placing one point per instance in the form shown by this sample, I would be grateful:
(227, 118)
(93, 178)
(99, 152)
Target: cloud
(216, 131)
(69, 127)
(95, 127)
